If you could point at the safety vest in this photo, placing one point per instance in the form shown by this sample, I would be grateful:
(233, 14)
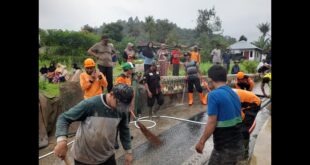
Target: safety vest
(191, 68)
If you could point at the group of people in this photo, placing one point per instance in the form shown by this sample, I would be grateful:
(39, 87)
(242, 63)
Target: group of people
(54, 74)
(105, 115)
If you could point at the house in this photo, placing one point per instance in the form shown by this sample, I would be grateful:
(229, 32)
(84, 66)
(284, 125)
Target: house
(248, 50)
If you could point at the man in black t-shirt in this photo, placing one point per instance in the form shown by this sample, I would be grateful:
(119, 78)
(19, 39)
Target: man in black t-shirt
(151, 81)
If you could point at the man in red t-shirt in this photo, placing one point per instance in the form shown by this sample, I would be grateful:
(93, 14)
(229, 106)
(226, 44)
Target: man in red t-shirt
(176, 54)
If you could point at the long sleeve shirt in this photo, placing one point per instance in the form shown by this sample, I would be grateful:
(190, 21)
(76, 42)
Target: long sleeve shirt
(95, 137)
(94, 88)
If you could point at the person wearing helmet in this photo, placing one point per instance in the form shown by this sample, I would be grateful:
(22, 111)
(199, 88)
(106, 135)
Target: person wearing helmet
(244, 82)
(193, 77)
(266, 80)
(92, 81)
(151, 81)
(100, 117)
(224, 120)
(103, 52)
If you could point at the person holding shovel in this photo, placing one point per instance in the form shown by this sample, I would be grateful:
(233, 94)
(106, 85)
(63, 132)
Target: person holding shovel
(101, 116)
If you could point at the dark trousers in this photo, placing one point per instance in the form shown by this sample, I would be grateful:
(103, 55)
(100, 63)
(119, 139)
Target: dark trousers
(159, 97)
(108, 72)
(146, 67)
(250, 115)
(175, 71)
(228, 156)
(110, 161)
(226, 65)
(244, 86)
(194, 81)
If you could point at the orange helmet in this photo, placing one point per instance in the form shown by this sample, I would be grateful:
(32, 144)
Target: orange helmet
(240, 75)
(89, 63)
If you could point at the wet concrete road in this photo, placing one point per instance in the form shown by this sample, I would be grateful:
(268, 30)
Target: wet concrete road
(179, 139)
(176, 148)
(179, 144)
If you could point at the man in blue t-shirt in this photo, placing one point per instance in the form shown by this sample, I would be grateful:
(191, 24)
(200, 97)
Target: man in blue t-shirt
(224, 120)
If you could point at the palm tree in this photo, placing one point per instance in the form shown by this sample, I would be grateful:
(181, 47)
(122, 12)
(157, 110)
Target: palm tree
(264, 28)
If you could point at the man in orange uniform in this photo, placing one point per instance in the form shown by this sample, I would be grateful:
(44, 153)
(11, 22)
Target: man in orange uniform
(244, 82)
(195, 55)
(92, 81)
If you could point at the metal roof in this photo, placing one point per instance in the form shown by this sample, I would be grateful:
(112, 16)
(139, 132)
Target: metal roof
(242, 45)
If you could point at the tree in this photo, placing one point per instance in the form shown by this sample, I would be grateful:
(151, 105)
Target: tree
(113, 31)
(173, 38)
(208, 22)
(264, 28)
(133, 29)
(150, 26)
(163, 27)
(243, 38)
(87, 28)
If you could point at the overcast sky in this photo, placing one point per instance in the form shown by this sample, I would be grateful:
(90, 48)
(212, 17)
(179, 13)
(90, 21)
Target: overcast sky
(239, 17)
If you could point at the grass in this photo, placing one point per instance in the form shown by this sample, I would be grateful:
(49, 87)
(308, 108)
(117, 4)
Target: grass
(49, 89)
(52, 90)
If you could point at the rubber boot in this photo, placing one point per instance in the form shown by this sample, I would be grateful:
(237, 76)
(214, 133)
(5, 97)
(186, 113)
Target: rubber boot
(203, 99)
(190, 98)
(150, 113)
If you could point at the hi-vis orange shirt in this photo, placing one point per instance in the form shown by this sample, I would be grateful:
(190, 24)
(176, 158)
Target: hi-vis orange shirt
(195, 56)
(92, 89)
(247, 97)
(123, 79)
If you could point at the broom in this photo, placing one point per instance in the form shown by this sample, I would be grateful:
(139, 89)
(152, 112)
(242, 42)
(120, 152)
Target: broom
(148, 134)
